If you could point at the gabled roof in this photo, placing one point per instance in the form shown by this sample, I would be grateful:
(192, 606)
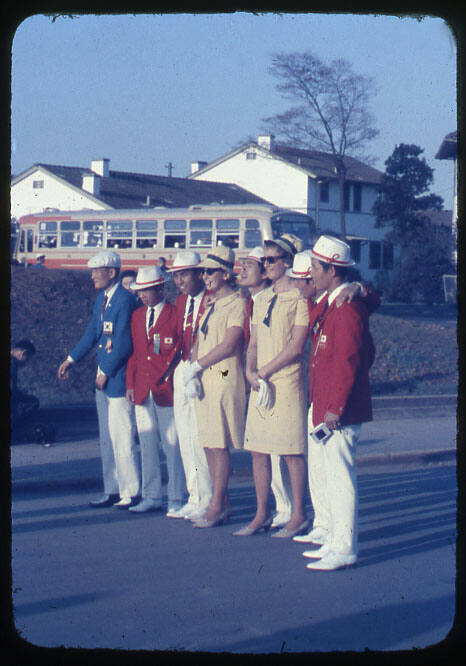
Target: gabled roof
(449, 147)
(123, 189)
(316, 163)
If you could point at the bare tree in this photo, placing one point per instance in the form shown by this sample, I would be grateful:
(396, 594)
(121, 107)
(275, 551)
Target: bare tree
(331, 114)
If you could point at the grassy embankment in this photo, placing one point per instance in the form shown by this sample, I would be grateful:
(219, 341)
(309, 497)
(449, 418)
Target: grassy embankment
(53, 307)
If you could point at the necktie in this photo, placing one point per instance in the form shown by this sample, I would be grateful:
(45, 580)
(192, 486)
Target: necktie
(104, 305)
(204, 327)
(268, 316)
(251, 309)
(151, 319)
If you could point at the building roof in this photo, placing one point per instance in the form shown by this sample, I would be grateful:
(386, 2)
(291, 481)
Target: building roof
(317, 164)
(123, 189)
(448, 148)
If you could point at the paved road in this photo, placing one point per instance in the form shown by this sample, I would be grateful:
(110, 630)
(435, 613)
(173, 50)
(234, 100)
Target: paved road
(107, 578)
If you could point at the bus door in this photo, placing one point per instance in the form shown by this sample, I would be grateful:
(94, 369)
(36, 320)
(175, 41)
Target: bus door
(25, 243)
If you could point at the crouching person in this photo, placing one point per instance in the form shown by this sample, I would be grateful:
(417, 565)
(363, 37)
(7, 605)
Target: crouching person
(149, 387)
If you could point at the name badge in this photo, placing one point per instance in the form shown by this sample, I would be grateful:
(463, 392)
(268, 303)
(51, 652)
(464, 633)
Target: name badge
(323, 339)
(168, 341)
(157, 343)
(108, 327)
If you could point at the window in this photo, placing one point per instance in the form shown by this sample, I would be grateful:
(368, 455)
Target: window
(201, 233)
(355, 249)
(228, 233)
(47, 234)
(375, 251)
(250, 156)
(175, 233)
(69, 236)
(387, 255)
(347, 191)
(252, 234)
(119, 234)
(37, 184)
(93, 233)
(146, 233)
(357, 196)
(324, 191)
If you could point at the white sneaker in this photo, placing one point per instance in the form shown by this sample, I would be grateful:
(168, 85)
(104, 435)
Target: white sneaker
(317, 535)
(333, 561)
(146, 504)
(280, 519)
(317, 553)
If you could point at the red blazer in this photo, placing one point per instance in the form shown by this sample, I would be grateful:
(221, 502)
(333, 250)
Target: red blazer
(146, 369)
(180, 306)
(342, 354)
(371, 300)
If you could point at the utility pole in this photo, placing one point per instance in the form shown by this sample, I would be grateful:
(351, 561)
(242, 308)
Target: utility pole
(170, 168)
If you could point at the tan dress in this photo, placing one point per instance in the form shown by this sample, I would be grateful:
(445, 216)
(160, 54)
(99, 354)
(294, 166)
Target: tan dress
(281, 429)
(220, 411)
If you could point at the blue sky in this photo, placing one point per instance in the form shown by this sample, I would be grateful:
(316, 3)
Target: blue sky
(151, 89)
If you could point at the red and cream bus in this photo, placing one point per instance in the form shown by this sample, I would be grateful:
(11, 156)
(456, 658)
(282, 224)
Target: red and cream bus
(69, 239)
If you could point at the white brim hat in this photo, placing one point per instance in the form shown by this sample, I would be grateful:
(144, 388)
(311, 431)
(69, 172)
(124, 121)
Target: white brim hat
(332, 250)
(257, 254)
(185, 261)
(301, 268)
(148, 276)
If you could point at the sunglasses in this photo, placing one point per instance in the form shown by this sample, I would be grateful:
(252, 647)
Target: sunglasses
(211, 271)
(273, 260)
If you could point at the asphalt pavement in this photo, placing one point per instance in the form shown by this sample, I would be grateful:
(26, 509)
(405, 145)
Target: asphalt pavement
(87, 578)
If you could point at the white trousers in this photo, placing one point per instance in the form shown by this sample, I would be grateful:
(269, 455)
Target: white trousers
(281, 486)
(196, 470)
(120, 465)
(156, 427)
(333, 486)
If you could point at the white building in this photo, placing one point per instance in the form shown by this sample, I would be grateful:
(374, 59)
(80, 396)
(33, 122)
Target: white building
(305, 181)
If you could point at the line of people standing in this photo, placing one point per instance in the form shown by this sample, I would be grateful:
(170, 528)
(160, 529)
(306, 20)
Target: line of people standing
(175, 374)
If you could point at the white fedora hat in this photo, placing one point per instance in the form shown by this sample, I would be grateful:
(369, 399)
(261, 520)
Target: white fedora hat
(257, 254)
(105, 259)
(148, 276)
(184, 261)
(301, 266)
(332, 250)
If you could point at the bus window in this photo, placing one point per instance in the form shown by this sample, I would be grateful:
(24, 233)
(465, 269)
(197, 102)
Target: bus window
(119, 233)
(175, 233)
(227, 233)
(200, 233)
(93, 233)
(47, 234)
(30, 240)
(69, 234)
(301, 229)
(252, 234)
(146, 233)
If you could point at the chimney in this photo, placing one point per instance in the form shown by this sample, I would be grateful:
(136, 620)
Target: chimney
(101, 166)
(197, 166)
(266, 141)
(91, 183)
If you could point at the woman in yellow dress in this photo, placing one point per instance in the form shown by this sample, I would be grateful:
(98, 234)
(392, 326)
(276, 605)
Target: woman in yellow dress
(276, 418)
(216, 378)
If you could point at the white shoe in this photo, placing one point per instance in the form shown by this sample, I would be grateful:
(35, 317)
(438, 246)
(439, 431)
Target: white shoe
(333, 561)
(280, 519)
(146, 504)
(317, 535)
(317, 553)
(185, 511)
(123, 503)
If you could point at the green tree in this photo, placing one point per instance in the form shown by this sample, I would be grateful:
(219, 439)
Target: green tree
(425, 248)
(402, 195)
(331, 112)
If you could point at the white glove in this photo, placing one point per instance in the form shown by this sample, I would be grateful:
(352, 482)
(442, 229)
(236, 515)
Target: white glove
(264, 398)
(190, 371)
(193, 388)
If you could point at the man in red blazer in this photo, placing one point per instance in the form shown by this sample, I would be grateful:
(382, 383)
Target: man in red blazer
(149, 387)
(341, 357)
(190, 306)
